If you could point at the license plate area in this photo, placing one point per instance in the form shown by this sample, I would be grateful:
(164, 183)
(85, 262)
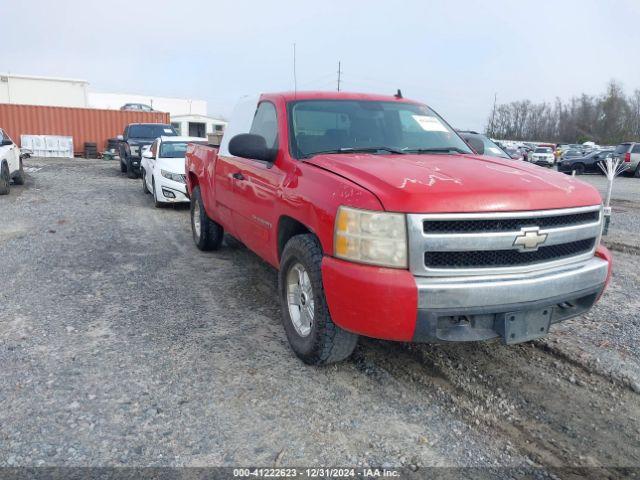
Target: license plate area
(526, 325)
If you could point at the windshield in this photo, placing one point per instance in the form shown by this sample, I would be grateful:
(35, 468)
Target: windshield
(151, 131)
(175, 149)
(344, 125)
(543, 150)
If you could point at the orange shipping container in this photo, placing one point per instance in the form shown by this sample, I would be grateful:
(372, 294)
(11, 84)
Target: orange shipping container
(83, 124)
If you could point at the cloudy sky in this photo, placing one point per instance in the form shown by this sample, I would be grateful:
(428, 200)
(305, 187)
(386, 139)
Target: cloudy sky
(453, 55)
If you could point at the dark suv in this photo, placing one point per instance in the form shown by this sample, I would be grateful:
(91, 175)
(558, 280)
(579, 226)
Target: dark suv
(135, 137)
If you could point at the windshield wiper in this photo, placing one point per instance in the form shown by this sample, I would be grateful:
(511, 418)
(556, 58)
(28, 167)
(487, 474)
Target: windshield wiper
(357, 150)
(435, 150)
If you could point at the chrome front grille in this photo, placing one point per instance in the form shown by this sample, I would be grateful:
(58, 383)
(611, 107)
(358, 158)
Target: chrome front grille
(503, 242)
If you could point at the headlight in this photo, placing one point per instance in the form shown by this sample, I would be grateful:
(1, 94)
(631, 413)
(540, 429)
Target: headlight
(176, 177)
(377, 238)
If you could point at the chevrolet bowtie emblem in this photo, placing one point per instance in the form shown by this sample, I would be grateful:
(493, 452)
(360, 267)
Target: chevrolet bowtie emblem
(529, 239)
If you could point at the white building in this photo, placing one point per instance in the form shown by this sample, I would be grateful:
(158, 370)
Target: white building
(50, 91)
(197, 125)
(174, 106)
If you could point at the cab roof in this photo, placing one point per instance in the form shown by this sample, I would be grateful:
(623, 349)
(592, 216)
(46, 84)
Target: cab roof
(324, 95)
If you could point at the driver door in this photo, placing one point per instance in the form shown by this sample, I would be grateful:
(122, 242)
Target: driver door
(256, 185)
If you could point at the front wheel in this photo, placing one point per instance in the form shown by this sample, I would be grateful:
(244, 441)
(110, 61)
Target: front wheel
(156, 203)
(131, 173)
(207, 234)
(145, 189)
(578, 168)
(5, 179)
(313, 336)
(19, 178)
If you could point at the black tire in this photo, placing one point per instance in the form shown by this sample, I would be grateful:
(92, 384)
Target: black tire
(578, 168)
(5, 179)
(19, 177)
(326, 342)
(123, 162)
(207, 234)
(131, 173)
(156, 203)
(636, 174)
(145, 189)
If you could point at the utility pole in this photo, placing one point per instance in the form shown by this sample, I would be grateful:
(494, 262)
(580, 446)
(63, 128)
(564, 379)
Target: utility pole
(493, 114)
(339, 73)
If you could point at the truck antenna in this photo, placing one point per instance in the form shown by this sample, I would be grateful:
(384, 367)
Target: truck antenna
(339, 73)
(295, 81)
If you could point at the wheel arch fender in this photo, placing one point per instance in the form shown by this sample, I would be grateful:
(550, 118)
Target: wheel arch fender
(289, 227)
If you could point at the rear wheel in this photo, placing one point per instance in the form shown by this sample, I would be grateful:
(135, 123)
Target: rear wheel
(5, 179)
(207, 234)
(313, 336)
(19, 178)
(636, 174)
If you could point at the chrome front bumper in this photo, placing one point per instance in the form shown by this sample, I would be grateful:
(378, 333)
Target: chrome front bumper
(479, 308)
(463, 292)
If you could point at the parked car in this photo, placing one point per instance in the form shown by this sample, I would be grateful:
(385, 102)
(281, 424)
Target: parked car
(483, 145)
(629, 153)
(134, 138)
(382, 222)
(163, 169)
(586, 163)
(11, 168)
(137, 107)
(571, 153)
(543, 156)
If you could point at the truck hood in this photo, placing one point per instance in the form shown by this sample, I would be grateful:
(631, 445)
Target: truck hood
(458, 183)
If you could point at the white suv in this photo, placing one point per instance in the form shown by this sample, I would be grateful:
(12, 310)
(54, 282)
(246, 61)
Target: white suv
(162, 169)
(629, 152)
(10, 164)
(542, 156)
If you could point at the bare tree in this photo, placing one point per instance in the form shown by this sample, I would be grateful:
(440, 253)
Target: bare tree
(607, 119)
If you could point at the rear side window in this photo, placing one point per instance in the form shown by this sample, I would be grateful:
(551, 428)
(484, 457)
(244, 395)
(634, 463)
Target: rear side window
(636, 148)
(623, 148)
(265, 123)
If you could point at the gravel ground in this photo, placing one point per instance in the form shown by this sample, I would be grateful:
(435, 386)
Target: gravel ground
(122, 344)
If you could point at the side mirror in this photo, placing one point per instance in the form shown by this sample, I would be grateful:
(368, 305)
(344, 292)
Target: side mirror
(147, 153)
(254, 147)
(120, 137)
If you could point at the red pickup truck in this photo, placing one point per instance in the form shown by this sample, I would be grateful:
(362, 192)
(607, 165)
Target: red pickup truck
(383, 222)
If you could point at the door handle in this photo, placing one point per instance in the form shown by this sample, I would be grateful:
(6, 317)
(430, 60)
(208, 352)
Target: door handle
(238, 176)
